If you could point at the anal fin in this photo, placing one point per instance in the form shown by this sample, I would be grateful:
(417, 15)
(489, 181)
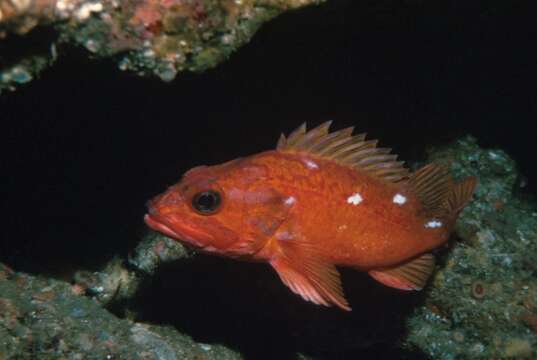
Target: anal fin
(411, 275)
(309, 275)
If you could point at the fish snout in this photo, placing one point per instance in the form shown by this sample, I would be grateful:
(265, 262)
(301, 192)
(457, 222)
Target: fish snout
(150, 208)
(166, 202)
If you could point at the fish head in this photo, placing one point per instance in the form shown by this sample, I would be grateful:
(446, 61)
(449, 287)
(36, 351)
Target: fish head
(227, 209)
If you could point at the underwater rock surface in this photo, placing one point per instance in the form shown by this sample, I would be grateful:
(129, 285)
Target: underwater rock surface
(120, 280)
(159, 37)
(48, 319)
(482, 301)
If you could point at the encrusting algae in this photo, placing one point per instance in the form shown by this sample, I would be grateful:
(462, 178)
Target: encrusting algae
(320, 200)
(149, 37)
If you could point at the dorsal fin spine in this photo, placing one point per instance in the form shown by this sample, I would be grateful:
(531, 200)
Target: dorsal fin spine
(294, 137)
(354, 157)
(339, 145)
(392, 166)
(373, 160)
(312, 136)
(282, 142)
(344, 148)
(352, 147)
(330, 139)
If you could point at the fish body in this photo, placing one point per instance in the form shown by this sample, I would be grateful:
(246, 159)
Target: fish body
(318, 201)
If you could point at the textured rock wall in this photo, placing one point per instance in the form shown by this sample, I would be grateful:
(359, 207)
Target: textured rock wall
(149, 37)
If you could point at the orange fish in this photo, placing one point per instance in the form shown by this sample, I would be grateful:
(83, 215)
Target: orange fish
(320, 200)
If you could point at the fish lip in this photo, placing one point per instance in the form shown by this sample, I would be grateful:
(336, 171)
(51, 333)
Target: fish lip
(156, 223)
(160, 224)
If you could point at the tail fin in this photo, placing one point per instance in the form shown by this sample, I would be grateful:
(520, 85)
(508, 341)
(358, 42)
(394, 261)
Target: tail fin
(460, 195)
(440, 196)
(442, 199)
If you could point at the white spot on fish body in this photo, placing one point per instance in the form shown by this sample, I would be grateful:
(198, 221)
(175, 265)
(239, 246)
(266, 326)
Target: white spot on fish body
(433, 224)
(290, 200)
(355, 199)
(342, 227)
(399, 199)
(284, 235)
(311, 164)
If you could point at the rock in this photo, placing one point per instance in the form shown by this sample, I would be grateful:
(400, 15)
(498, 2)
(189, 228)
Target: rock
(518, 348)
(120, 279)
(44, 318)
(162, 38)
(486, 281)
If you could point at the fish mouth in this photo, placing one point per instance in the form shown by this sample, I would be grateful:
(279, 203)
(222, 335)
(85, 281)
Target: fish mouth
(156, 223)
(183, 234)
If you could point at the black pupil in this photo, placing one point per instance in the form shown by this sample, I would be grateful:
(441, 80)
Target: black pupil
(206, 202)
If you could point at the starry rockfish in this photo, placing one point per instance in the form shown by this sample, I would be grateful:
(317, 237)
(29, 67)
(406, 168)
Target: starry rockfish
(319, 200)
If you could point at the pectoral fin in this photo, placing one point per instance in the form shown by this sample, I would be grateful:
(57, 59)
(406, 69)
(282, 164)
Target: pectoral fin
(411, 275)
(309, 276)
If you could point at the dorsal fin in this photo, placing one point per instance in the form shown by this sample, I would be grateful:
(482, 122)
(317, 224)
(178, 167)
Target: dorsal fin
(346, 149)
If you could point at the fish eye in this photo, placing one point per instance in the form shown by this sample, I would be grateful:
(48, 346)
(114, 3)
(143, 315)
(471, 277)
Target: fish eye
(206, 202)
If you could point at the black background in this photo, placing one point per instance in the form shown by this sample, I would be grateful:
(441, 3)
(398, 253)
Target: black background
(86, 145)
